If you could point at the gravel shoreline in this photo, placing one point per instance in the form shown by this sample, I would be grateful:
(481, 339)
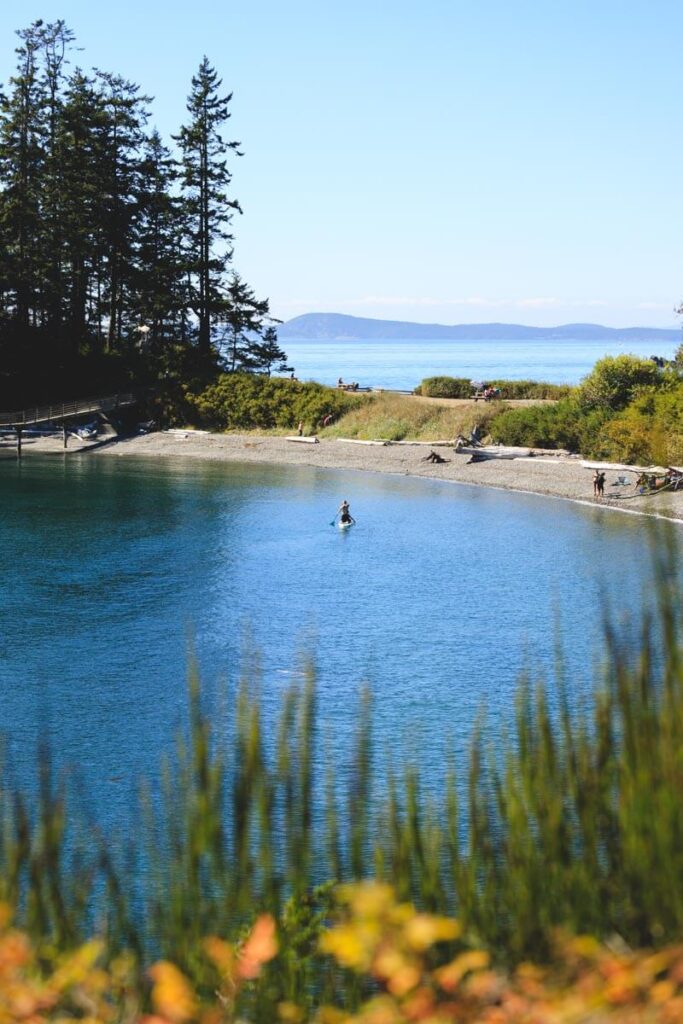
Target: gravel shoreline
(551, 476)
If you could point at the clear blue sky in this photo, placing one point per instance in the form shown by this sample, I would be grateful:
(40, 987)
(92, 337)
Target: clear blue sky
(449, 161)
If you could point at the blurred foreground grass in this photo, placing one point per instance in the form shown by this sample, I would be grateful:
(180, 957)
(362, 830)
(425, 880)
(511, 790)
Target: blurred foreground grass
(571, 825)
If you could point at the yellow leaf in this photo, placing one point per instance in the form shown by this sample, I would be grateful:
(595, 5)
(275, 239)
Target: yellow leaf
(352, 945)
(172, 994)
(423, 930)
(368, 899)
(290, 1013)
(220, 953)
(450, 976)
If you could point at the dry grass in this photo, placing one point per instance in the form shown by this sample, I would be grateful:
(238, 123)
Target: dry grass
(406, 418)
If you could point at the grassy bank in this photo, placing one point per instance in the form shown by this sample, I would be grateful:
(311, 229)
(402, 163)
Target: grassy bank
(405, 418)
(251, 402)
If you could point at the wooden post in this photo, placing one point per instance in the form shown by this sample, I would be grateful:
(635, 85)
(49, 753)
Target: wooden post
(18, 430)
(66, 436)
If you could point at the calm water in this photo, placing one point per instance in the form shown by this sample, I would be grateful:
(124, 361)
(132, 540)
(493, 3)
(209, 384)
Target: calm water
(437, 597)
(403, 364)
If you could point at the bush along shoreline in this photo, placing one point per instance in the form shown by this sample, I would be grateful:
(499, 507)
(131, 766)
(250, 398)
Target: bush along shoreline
(575, 824)
(627, 409)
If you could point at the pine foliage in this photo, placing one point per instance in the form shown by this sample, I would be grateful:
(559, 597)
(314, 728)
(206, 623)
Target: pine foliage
(116, 249)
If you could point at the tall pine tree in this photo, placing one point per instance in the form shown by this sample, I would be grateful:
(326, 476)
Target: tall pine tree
(208, 208)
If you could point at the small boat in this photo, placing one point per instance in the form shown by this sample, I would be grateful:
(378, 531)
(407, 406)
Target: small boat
(88, 432)
(344, 526)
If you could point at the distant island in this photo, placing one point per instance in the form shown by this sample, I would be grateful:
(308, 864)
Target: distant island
(340, 327)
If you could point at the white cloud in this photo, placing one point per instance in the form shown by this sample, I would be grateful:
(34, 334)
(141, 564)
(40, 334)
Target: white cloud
(427, 301)
(538, 303)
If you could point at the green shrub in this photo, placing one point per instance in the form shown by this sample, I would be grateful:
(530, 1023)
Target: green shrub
(445, 387)
(562, 425)
(615, 380)
(520, 389)
(649, 430)
(461, 387)
(247, 401)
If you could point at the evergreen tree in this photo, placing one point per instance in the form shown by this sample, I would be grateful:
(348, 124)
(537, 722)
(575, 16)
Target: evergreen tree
(126, 115)
(159, 295)
(22, 157)
(266, 355)
(244, 318)
(208, 210)
(103, 232)
(84, 141)
(55, 40)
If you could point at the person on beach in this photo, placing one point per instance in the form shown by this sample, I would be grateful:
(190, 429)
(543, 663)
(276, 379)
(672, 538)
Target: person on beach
(434, 457)
(598, 484)
(300, 428)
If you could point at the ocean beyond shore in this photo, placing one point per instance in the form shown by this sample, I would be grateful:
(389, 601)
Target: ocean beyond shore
(552, 476)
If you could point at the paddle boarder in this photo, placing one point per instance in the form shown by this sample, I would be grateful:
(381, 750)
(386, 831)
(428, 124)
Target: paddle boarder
(344, 513)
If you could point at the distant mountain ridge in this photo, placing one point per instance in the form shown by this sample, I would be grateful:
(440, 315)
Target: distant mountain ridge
(340, 327)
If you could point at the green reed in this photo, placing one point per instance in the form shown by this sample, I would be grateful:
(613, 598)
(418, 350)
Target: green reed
(575, 819)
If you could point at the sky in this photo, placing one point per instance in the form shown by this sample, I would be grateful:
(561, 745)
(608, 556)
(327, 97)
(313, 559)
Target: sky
(452, 161)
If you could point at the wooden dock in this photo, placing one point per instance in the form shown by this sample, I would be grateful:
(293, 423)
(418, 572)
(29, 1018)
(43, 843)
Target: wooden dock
(63, 412)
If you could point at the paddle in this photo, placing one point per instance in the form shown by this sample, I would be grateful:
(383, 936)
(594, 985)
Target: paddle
(333, 521)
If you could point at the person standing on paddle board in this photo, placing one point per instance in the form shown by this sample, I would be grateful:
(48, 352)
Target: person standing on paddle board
(344, 513)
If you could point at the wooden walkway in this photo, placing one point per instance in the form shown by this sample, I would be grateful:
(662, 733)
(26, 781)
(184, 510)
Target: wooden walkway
(61, 411)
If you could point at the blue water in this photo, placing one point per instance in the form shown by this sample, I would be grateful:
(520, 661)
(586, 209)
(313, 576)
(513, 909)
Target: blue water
(403, 364)
(437, 598)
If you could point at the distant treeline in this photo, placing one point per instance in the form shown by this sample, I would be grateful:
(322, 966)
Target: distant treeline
(116, 256)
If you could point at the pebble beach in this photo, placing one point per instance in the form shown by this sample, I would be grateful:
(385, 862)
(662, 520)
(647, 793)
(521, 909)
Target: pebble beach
(552, 476)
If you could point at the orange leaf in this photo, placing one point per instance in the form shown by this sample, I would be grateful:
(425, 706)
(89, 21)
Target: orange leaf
(260, 947)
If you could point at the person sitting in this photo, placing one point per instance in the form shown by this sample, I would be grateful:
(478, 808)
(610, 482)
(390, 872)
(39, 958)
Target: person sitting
(434, 457)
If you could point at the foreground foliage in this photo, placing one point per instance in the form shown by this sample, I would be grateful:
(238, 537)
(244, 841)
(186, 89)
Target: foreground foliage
(573, 822)
(414, 965)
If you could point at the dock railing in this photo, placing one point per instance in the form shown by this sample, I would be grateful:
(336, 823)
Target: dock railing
(66, 410)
